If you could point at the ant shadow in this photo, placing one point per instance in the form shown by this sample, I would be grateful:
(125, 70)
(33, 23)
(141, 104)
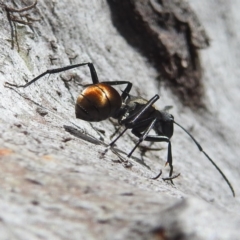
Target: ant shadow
(78, 132)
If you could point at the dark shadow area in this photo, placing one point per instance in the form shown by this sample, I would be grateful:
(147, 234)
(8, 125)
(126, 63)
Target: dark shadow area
(79, 133)
(169, 34)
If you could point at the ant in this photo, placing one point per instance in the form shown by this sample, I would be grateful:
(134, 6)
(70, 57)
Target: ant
(99, 101)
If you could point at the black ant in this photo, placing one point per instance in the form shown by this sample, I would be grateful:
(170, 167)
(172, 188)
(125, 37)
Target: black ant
(100, 101)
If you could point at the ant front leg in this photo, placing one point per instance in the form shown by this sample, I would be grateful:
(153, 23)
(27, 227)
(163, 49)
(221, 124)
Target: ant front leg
(167, 178)
(155, 138)
(151, 122)
(133, 118)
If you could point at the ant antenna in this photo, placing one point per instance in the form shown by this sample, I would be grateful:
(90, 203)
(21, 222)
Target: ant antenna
(201, 150)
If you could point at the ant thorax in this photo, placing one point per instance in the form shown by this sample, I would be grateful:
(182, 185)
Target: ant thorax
(132, 105)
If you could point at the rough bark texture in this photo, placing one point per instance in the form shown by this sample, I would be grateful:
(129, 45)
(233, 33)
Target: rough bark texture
(169, 34)
(55, 182)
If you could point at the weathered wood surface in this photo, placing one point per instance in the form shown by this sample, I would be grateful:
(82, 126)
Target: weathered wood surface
(57, 185)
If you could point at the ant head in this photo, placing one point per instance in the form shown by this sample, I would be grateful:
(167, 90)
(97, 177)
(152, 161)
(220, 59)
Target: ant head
(164, 125)
(166, 117)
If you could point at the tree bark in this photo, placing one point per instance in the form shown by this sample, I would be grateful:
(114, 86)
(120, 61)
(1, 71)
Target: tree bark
(56, 183)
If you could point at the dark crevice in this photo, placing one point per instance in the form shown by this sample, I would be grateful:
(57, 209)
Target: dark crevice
(166, 32)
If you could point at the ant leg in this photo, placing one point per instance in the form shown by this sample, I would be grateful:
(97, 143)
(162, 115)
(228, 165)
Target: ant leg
(92, 71)
(130, 123)
(155, 138)
(58, 70)
(171, 178)
(132, 119)
(167, 178)
(126, 91)
(112, 143)
(156, 177)
(143, 136)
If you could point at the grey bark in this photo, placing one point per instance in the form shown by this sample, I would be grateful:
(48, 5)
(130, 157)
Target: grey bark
(56, 183)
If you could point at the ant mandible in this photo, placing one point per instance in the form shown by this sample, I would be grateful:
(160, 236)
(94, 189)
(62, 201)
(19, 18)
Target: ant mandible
(100, 101)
